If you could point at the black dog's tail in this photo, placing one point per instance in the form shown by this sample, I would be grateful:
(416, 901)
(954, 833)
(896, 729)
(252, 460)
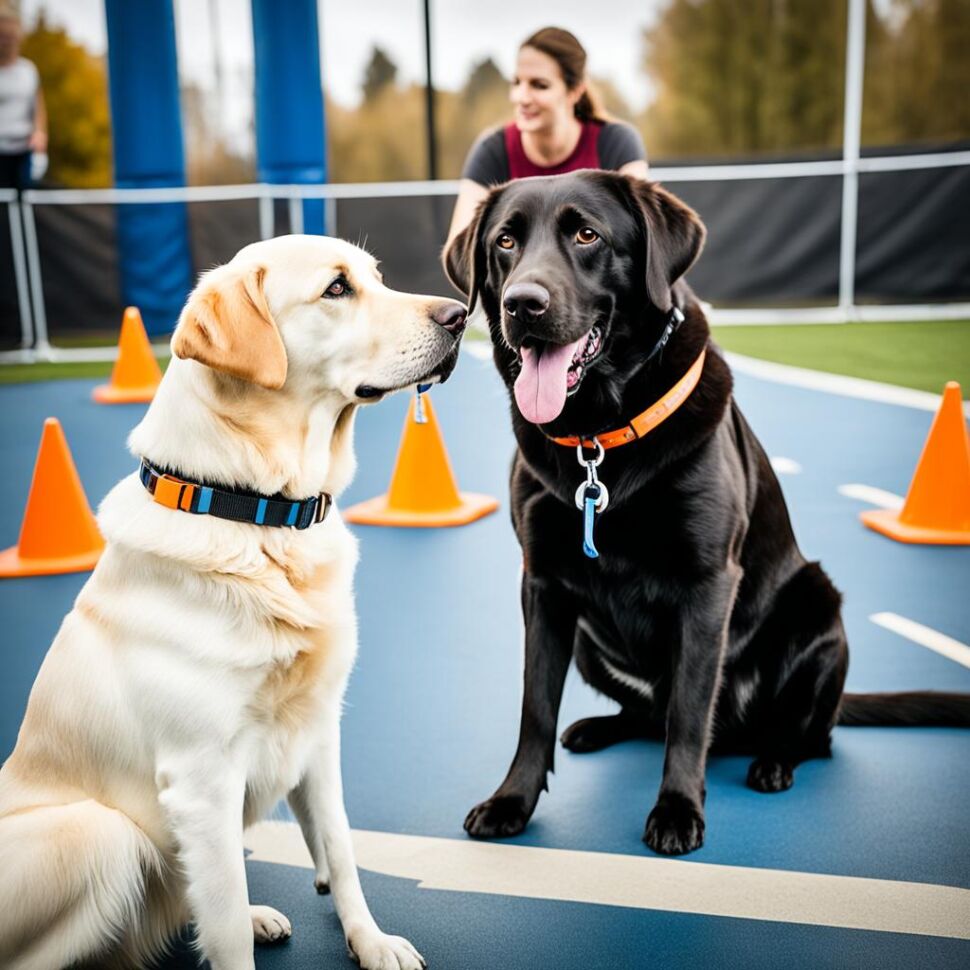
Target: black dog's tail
(926, 707)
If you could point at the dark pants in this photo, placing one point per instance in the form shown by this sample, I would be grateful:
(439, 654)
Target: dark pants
(15, 171)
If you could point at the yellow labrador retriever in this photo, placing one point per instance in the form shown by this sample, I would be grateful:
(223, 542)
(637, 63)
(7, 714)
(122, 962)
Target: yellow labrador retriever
(200, 675)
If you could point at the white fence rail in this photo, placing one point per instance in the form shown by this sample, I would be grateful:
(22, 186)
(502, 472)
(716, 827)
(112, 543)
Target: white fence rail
(29, 281)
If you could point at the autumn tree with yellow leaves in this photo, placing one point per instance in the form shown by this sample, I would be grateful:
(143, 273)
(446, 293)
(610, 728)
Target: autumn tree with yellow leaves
(75, 88)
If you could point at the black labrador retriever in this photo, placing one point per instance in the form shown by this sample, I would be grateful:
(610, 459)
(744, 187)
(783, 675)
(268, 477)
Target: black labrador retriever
(683, 594)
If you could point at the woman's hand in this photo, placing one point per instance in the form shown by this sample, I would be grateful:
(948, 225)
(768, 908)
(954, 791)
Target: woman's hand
(638, 169)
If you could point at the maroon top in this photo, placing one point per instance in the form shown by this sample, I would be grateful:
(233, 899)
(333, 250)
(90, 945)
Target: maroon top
(584, 155)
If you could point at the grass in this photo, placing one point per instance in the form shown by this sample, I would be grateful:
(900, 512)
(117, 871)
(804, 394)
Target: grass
(43, 371)
(924, 355)
(22, 373)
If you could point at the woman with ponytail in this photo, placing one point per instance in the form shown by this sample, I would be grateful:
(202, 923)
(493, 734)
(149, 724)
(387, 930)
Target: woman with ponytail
(559, 126)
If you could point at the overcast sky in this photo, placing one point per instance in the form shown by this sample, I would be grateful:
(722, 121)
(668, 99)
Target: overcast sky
(464, 31)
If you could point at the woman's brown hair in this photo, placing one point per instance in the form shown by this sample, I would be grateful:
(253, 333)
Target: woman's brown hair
(570, 55)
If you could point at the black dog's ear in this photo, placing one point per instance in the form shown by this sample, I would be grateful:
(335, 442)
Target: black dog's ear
(464, 257)
(673, 236)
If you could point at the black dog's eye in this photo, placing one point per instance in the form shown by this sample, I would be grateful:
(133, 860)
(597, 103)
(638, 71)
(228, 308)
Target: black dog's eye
(585, 236)
(339, 287)
(505, 241)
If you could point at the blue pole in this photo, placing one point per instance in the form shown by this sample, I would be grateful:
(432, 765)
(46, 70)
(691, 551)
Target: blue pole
(146, 131)
(290, 132)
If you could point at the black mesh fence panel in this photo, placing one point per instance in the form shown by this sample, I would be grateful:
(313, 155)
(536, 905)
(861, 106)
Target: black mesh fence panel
(771, 242)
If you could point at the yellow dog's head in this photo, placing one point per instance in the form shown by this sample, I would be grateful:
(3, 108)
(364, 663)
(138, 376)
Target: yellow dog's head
(313, 314)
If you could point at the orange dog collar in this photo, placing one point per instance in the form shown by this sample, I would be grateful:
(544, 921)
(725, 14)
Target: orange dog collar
(647, 420)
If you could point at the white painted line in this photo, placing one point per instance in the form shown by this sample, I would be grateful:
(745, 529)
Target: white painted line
(925, 637)
(838, 384)
(641, 882)
(785, 466)
(872, 496)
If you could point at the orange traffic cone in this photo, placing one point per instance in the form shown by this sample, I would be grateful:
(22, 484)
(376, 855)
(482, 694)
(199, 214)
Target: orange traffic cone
(937, 506)
(59, 534)
(136, 373)
(423, 489)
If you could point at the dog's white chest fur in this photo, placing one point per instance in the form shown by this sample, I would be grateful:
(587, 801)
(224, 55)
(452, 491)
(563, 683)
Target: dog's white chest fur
(292, 700)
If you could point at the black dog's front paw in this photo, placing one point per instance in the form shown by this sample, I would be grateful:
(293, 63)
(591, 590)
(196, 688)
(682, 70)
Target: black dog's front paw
(498, 817)
(674, 827)
(768, 775)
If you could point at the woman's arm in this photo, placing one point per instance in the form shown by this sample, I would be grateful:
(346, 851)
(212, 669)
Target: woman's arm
(469, 195)
(38, 138)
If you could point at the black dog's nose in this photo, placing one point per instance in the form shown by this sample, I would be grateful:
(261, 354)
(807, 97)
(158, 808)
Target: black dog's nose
(526, 301)
(452, 317)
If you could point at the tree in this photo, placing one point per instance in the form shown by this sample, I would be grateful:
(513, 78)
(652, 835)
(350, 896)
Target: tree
(208, 158)
(485, 79)
(917, 73)
(75, 89)
(380, 73)
(742, 77)
(379, 141)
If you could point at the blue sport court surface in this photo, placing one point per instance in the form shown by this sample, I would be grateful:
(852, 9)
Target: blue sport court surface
(864, 863)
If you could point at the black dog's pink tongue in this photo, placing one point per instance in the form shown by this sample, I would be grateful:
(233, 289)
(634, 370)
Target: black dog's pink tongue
(540, 389)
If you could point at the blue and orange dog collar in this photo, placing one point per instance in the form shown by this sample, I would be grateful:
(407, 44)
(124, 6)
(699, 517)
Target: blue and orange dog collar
(270, 510)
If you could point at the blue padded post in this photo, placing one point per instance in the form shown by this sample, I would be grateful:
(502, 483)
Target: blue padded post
(290, 133)
(146, 134)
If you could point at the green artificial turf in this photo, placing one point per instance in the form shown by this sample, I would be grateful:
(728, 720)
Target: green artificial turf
(924, 355)
(44, 371)
(18, 373)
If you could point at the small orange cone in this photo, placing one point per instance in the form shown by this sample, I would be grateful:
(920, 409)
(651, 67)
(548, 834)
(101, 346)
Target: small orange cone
(136, 374)
(937, 506)
(59, 534)
(423, 489)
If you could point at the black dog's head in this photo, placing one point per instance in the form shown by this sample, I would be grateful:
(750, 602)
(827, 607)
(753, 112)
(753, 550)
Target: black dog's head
(575, 275)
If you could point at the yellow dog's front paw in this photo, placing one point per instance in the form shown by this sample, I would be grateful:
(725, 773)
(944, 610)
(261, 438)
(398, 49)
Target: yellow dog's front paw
(374, 950)
(269, 925)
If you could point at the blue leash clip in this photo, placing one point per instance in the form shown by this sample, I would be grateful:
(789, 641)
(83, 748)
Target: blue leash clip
(589, 516)
(419, 416)
(591, 497)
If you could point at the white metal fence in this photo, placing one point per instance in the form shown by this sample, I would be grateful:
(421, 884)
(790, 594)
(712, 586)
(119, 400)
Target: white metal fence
(29, 280)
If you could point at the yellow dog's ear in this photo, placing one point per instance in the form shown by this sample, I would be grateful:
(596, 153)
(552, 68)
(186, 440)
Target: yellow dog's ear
(226, 325)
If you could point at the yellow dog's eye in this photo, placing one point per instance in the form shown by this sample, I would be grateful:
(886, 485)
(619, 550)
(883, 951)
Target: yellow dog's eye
(585, 236)
(505, 241)
(339, 287)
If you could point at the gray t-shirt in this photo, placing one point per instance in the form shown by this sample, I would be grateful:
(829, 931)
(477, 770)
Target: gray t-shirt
(488, 162)
(18, 97)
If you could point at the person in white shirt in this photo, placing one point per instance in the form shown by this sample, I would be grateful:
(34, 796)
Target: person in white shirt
(23, 117)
